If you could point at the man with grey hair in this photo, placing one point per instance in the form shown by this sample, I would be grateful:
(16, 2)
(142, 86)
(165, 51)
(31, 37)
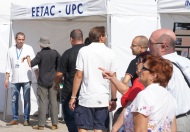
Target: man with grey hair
(47, 60)
(21, 76)
(162, 43)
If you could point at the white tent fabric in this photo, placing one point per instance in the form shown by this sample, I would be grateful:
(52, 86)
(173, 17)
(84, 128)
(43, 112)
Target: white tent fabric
(4, 45)
(124, 18)
(171, 11)
(129, 19)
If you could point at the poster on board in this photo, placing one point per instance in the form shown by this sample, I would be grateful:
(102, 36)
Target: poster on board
(182, 31)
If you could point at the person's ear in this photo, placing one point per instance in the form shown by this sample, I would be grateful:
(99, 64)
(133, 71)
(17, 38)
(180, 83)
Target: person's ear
(153, 76)
(101, 39)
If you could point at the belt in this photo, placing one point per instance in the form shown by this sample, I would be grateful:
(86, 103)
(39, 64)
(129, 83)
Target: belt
(182, 115)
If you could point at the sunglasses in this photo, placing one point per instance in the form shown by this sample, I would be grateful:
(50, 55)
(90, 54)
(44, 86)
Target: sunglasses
(145, 69)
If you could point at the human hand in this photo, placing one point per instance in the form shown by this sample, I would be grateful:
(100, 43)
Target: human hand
(22, 60)
(112, 105)
(72, 103)
(55, 86)
(106, 74)
(6, 84)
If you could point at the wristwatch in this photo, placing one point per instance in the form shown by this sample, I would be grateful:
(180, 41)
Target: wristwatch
(114, 99)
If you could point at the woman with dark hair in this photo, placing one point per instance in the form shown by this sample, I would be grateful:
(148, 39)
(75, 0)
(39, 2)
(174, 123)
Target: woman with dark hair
(154, 107)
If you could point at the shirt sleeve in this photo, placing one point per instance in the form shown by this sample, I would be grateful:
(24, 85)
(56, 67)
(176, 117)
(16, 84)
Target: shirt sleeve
(141, 104)
(8, 63)
(32, 56)
(35, 61)
(114, 64)
(62, 67)
(57, 60)
(80, 62)
(131, 70)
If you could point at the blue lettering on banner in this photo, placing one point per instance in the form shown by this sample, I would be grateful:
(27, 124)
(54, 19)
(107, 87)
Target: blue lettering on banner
(80, 12)
(72, 8)
(187, 3)
(43, 11)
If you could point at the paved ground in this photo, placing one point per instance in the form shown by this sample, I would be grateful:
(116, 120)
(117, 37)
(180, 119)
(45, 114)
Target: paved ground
(21, 128)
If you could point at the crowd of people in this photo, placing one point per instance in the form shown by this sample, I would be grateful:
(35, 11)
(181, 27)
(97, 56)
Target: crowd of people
(156, 100)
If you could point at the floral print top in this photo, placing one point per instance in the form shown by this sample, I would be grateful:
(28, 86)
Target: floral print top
(156, 103)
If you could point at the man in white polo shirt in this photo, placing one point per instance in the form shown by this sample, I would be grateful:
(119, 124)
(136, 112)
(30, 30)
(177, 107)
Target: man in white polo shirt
(94, 105)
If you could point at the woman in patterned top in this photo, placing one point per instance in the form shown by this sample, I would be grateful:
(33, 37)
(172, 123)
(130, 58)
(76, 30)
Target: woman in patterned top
(154, 108)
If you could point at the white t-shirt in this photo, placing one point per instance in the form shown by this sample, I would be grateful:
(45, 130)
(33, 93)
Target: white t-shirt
(20, 71)
(95, 89)
(156, 103)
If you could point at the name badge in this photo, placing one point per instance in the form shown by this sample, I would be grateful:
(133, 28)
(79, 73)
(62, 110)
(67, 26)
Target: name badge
(17, 66)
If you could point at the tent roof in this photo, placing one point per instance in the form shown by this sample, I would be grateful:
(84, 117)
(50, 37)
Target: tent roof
(174, 6)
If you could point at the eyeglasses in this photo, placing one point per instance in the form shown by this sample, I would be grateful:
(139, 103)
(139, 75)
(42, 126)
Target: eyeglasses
(134, 45)
(150, 43)
(145, 69)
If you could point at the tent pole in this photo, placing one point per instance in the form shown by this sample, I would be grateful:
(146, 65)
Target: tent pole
(108, 23)
(7, 89)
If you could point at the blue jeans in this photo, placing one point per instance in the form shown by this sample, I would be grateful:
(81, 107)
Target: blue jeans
(15, 91)
(69, 115)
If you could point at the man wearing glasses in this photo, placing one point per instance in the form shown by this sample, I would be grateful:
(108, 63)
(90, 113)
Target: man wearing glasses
(162, 43)
(139, 45)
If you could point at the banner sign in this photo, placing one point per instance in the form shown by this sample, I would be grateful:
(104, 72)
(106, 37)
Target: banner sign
(173, 6)
(58, 9)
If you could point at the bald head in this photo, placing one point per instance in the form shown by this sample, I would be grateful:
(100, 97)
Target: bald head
(165, 36)
(139, 44)
(164, 40)
(76, 37)
(142, 41)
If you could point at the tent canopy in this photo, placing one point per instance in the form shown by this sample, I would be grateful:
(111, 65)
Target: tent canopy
(174, 6)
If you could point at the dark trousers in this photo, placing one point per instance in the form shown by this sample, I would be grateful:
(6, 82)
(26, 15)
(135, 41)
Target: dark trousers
(45, 95)
(69, 115)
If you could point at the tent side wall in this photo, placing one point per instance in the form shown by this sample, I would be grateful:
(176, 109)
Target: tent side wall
(4, 45)
(129, 19)
(56, 27)
(171, 11)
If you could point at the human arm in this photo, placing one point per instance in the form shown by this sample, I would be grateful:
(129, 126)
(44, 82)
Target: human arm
(36, 73)
(140, 122)
(126, 79)
(112, 104)
(76, 85)
(118, 124)
(174, 126)
(6, 82)
(57, 79)
(118, 85)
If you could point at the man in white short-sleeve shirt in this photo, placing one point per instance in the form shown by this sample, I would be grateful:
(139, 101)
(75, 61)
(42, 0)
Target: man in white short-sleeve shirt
(21, 76)
(162, 43)
(94, 105)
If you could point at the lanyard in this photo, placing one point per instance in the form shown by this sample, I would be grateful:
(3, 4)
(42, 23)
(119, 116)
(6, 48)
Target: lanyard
(18, 55)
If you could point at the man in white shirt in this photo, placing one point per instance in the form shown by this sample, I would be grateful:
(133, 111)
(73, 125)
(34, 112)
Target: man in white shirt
(162, 43)
(93, 109)
(21, 76)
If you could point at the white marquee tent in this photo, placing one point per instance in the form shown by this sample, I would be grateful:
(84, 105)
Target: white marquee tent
(124, 20)
(171, 11)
